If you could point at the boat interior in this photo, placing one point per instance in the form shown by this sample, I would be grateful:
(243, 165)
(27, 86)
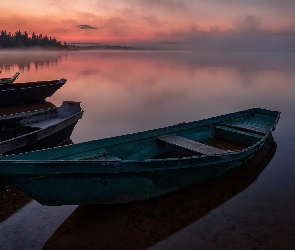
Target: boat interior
(214, 139)
(209, 140)
(15, 125)
(182, 140)
(19, 124)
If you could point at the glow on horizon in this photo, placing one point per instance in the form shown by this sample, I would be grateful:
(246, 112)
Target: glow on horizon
(119, 21)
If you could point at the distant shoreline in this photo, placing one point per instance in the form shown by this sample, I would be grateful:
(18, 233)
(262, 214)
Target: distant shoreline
(72, 48)
(99, 47)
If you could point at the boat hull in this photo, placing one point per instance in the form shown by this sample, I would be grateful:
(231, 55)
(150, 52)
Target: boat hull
(17, 93)
(100, 183)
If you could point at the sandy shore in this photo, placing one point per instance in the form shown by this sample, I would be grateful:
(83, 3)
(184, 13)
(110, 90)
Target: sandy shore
(11, 200)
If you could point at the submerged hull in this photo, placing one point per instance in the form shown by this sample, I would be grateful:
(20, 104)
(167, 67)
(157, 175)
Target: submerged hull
(74, 175)
(17, 93)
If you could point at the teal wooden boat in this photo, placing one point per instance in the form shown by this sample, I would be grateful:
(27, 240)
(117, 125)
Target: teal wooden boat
(142, 165)
(9, 80)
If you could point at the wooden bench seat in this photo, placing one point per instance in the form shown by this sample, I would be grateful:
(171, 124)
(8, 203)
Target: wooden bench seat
(193, 146)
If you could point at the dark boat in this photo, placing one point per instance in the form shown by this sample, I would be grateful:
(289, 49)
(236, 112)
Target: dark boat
(26, 107)
(38, 129)
(17, 93)
(9, 80)
(142, 165)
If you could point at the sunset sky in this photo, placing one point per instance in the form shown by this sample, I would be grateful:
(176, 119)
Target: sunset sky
(125, 21)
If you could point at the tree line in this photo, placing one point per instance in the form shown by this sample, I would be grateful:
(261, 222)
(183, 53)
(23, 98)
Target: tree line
(23, 40)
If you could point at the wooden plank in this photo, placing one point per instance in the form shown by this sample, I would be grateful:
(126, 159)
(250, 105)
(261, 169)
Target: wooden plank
(237, 135)
(239, 132)
(193, 146)
(44, 124)
(246, 127)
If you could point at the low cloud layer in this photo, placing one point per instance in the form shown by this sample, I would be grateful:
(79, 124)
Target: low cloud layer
(86, 27)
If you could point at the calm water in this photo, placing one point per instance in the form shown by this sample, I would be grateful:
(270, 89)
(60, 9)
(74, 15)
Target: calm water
(129, 91)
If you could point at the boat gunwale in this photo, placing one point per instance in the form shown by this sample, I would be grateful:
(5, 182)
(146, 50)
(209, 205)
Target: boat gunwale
(206, 120)
(9, 87)
(54, 81)
(225, 155)
(112, 167)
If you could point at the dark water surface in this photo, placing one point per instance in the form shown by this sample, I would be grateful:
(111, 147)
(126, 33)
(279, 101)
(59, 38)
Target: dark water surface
(123, 92)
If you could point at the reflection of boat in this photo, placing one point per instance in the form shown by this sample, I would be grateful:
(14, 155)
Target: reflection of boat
(144, 224)
(9, 80)
(17, 93)
(38, 129)
(142, 165)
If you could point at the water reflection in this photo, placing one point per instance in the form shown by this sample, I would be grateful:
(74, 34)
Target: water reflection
(24, 60)
(29, 228)
(141, 225)
(11, 200)
(124, 92)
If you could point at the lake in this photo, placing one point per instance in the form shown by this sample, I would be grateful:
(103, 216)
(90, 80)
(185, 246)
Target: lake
(129, 91)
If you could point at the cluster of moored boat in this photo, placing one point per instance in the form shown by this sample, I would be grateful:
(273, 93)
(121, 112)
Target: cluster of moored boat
(119, 169)
(37, 128)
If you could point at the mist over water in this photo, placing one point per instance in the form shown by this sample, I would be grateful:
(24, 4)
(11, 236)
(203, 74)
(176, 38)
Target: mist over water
(22, 60)
(130, 91)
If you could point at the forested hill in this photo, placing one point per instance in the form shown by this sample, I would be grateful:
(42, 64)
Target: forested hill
(23, 40)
